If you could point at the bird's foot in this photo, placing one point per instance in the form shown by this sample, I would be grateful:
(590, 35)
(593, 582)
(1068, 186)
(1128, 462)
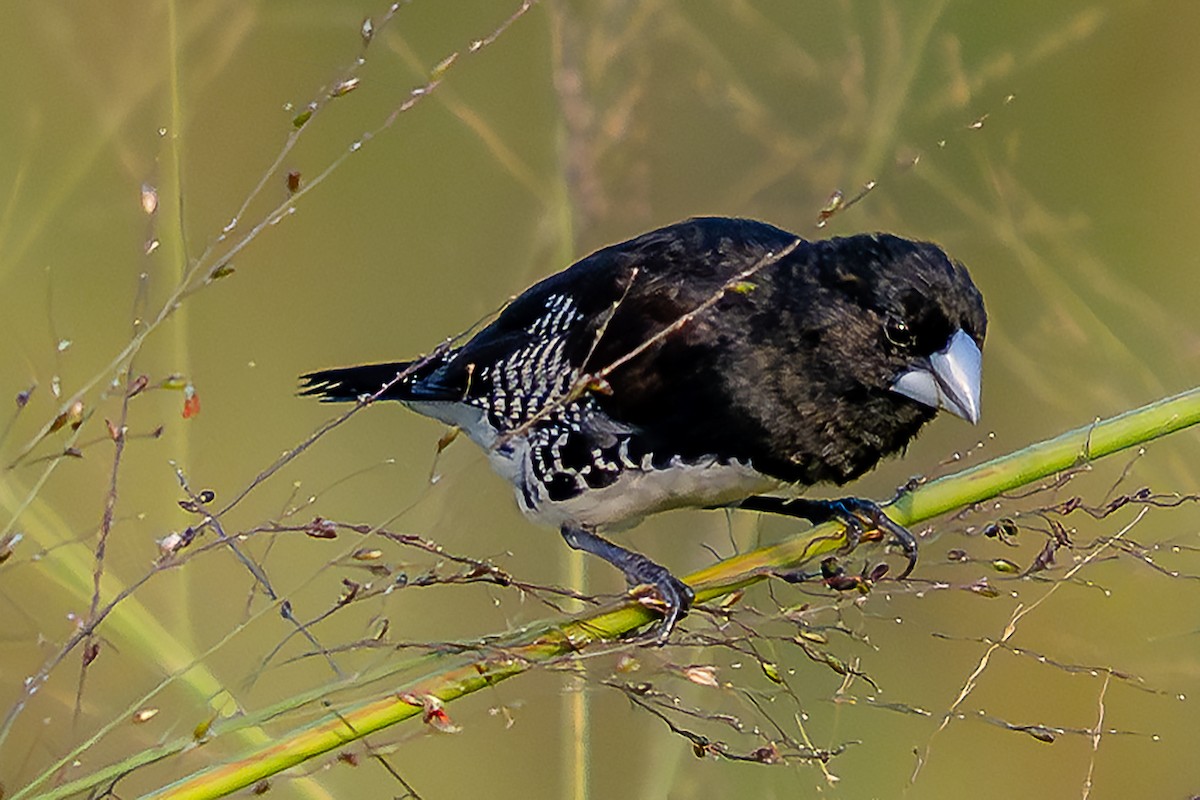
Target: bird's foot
(674, 597)
(856, 514)
(869, 512)
(668, 596)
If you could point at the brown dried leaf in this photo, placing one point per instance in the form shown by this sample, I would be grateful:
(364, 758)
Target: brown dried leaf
(144, 715)
(149, 199)
(433, 713)
(702, 675)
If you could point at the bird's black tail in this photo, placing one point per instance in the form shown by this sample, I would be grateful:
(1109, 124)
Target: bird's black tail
(351, 383)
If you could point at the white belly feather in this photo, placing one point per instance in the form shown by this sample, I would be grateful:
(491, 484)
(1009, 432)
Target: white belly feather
(637, 493)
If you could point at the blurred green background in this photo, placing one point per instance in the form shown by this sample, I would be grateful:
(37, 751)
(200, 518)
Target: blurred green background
(1051, 147)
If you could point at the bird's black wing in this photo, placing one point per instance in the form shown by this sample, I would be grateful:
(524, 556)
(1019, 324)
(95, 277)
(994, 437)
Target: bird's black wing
(692, 390)
(594, 313)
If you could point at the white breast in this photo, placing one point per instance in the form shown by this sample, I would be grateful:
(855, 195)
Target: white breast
(639, 493)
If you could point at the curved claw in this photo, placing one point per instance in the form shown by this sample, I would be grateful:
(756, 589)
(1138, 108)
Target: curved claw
(904, 536)
(853, 531)
(674, 600)
(853, 511)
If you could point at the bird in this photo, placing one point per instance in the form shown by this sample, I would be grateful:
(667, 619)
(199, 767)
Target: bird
(716, 362)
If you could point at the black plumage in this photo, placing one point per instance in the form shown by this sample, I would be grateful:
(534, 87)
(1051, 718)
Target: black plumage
(700, 364)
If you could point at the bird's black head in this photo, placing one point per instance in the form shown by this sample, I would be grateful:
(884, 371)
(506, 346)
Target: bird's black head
(917, 311)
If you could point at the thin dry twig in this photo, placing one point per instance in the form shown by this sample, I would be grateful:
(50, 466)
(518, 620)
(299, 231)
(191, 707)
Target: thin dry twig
(1096, 734)
(201, 273)
(585, 381)
(1010, 630)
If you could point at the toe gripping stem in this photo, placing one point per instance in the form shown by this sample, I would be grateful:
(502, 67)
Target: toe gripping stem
(676, 595)
(853, 512)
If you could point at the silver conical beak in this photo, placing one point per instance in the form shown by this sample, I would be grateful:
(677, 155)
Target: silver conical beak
(950, 380)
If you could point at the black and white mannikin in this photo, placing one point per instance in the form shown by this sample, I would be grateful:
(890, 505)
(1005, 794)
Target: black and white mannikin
(715, 362)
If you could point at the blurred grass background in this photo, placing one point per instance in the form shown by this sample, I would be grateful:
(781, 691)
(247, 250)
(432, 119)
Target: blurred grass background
(1051, 148)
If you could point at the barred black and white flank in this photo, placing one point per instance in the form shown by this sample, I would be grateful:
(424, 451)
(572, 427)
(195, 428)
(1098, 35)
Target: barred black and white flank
(704, 364)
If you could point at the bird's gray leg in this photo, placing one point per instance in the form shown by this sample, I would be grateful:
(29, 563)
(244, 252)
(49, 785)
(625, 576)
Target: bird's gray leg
(850, 511)
(675, 594)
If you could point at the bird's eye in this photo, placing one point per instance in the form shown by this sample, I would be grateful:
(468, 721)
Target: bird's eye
(897, 332)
